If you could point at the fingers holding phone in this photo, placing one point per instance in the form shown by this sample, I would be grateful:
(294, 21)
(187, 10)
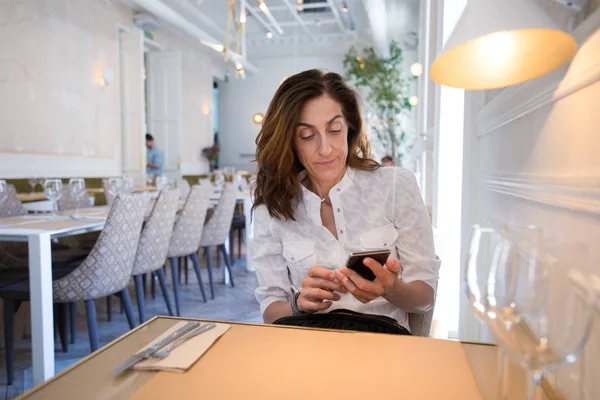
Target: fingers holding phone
(318, 290)
(369, 275)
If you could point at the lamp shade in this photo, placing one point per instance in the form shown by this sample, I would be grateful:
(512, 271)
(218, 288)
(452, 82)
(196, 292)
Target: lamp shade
(498, 43)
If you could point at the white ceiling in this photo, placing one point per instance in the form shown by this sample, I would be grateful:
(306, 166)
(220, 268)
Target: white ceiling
(316, 27)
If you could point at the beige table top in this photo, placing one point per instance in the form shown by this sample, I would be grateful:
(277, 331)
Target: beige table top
(265, 361)
(136, 190)
(29, 197)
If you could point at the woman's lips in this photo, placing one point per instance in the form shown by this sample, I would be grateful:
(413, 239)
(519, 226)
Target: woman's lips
(326, 163)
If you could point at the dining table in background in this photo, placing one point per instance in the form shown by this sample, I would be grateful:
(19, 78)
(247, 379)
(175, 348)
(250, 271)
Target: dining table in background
(274, 361)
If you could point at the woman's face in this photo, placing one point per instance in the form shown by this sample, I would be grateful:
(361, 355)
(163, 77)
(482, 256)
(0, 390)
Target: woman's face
(320, 139)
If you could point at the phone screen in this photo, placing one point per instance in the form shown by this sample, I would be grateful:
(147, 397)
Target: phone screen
(355, 262)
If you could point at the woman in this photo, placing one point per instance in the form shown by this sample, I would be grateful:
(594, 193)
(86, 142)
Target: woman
(319, 197)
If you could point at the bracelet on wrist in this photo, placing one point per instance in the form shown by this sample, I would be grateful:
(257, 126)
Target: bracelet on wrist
(294, 305)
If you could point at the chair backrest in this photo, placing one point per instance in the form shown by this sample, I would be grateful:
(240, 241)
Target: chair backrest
(217, 228)
(12, 206)
(420, 324)
(107, 269)
(184, 188)
(187, 231)
(156, 234)
(70, 202)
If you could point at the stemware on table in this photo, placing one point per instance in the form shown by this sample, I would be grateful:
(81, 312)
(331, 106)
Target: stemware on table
(77, 189)
(541, 303)
(53, 190)
(3, 190)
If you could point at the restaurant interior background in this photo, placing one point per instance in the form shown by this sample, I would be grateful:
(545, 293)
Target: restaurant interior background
(82, 81)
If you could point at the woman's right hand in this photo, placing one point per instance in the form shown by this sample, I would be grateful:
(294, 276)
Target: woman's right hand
(318, 288)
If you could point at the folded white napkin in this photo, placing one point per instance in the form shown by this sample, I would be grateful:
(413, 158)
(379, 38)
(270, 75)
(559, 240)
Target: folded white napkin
(186, 354)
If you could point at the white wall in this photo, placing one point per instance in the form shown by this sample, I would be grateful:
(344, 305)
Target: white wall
(196, 100)
(55, 116)
(241, 99)
(536, 148)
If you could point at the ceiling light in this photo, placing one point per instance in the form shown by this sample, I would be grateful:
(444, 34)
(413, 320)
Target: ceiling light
(299, 1)
(345, 7)
(269, 35)
(258, 118)
(498, 43)
(263, 7)
(416, 69)
(413, 100)
(299, 9)
(239, 66)
(243, 18)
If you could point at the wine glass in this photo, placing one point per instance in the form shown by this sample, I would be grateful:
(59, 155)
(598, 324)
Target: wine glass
(542, 305)
(161, 182)
(33, 182)
(3, 191)
(53, 189)
(128, 183)
(483, 250)
(115, 186)
(77, 189)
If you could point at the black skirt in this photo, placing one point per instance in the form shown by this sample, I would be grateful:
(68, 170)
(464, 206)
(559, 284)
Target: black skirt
(346, 320)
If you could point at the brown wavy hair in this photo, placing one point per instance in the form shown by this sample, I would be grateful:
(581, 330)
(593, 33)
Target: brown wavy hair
(277, 183)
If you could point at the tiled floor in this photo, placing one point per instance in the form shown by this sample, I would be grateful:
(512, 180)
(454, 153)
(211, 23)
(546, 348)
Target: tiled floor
(233, 304)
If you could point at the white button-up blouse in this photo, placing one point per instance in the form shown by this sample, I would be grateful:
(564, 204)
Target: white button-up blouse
(372, 210)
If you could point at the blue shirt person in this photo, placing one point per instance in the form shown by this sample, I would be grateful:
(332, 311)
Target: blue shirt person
(154, 158)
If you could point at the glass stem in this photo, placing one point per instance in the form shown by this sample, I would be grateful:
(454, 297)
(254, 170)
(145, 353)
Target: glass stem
(54, 208)
(535, 391)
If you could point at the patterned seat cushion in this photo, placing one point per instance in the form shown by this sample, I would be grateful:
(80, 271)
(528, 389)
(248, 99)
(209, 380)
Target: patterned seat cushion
(156, 235)
(107, 269)
(70, 202)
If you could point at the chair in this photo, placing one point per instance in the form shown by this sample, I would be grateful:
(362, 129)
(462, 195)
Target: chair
(238, 224)
(153, 246)
(217, 228)
(185, 239)
(420, 324)
(184, 188)
(12, 206)
(69, 202)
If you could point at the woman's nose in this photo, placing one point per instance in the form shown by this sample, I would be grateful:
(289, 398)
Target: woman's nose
(324, 146)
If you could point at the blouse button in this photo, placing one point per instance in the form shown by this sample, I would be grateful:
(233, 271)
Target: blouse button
(338, 189)
(342, 231)
(338, 210)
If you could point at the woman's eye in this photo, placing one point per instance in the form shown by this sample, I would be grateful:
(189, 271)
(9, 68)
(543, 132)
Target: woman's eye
(337, 131)
(307, 137)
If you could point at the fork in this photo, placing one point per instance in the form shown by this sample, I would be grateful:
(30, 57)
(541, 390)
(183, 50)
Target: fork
(164, 353)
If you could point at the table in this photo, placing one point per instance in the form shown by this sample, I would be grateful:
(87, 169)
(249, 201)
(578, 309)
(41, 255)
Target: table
(235, 358)
(29, 197)
(38, 232)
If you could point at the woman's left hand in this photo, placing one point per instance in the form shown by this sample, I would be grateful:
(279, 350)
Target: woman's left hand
(365, 290)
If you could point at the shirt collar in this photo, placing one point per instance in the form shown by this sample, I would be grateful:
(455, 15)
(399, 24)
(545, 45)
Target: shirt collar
(344, 183)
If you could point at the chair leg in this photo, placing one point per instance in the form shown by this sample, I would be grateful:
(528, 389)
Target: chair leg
(139, 291)
(210, 275)
(153, 286)
(73, 320)
(144, 285)
(231, 240)
(180, 269)
(227, 262)
(175, 277)
(126, 301)
(9, 339)
(185, 269)
(240, 238)
(196, 264)
(162, 280)
(90, 306)
(61, 316)
(108, 308)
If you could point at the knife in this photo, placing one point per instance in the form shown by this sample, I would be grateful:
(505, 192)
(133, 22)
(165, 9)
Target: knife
(144, 354)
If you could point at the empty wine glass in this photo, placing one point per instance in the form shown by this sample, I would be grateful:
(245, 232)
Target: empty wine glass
(33, 182)
(542, 305)
(115, 186)
(483, 250)
(53, 189)
(161, 182)
(77, 189)
(128, 183)
(3, 191)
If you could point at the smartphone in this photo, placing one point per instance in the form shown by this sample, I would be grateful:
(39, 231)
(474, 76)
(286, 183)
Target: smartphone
(355, 262)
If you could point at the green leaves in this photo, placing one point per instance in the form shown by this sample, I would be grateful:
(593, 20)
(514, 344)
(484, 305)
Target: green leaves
(388, 93)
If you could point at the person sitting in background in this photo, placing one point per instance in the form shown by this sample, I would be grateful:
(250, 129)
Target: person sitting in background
(319, 197)
(154, 159)
(388, 161)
